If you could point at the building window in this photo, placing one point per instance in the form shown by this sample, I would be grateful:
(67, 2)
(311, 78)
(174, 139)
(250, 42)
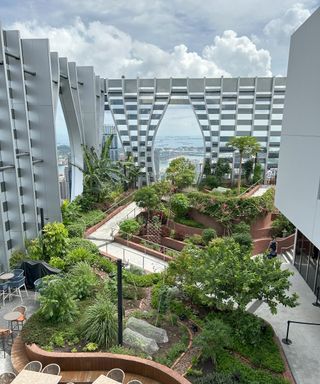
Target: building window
(7, 225)
(5, 206)
(24, 226)
(3, 186)
(9, 244)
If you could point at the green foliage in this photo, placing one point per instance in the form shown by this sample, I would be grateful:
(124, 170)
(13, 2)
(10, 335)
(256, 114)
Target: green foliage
(181, 172)
(214, 378)
(229, 277)
(222, 168)
(76, 242)
(120, 350)
(57, 300)
(257, 173)
(179, 204)
(90, 347)
(109, 290)
(146, 280)
(195, 239)
(215, 336)
(83, 280)
(148, 198)
(207, 167)
(244, 240)
(189, 222)
(70, 212)
(208, 234)
(129, 227)
(54, 240)
(100, 324)
(210, 182)
(16, 258)
(79, 254)
(248, 169)
(34, 248)
(76, 230)
(162, 188)
(160, 297)
(86, 201)
(229, 210)
(281, 225)
(92, 217)
(104, 264)
(241, 228)
(57, 262)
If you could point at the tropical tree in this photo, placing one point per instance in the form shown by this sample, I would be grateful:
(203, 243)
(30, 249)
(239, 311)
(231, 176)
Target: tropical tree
(148, 198)
(207, 171)
(223, 276)
(181, 172)
(131, 170)
(222, 168)
(100, 173)
(246, 145)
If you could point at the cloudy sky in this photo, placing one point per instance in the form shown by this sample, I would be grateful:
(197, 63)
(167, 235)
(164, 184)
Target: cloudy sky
(154, 38)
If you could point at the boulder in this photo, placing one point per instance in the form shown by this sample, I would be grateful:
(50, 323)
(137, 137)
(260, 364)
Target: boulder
(137, 341)
(148, 330)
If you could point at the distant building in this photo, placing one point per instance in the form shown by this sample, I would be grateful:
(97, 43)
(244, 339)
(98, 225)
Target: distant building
(114, 149)
(156, 159)
(63, 187)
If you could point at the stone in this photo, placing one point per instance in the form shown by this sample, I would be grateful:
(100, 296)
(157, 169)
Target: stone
(137, 341)
(148, 330)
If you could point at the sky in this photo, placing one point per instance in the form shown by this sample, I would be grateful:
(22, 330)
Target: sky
(168, 38)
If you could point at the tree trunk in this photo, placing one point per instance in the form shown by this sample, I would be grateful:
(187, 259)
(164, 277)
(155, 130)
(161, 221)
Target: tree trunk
(240, 172)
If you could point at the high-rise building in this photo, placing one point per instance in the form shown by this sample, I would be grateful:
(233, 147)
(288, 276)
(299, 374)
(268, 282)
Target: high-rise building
(298, 182)
(114, 148)
(224, 107)
(32, 78)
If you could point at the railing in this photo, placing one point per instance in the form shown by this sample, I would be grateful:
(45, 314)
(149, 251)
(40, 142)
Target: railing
(286, 248)
(162, 248)
(118, 203)
(286, 340)
(131, 257)
(251, 187)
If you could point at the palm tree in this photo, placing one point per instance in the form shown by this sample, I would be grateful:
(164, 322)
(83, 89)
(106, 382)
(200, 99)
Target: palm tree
(246, 145)
(99, 171)
(131, 170)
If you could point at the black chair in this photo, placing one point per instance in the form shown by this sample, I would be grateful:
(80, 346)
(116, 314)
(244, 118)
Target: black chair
(15, 286)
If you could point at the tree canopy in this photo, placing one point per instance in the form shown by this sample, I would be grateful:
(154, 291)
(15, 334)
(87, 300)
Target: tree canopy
(181, 172)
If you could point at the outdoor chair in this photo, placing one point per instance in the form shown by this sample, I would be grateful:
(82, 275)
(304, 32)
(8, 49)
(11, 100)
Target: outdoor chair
(116, 374)
(23, 310)
(15, 286)
(35, 366)
(7, 378)
(134, 381)
(17, 272)
(4, 291)
(52, 369)
(4, 336)
(37, 286)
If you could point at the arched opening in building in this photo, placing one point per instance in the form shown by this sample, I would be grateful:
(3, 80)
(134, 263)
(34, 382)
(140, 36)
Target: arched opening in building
(178, 135)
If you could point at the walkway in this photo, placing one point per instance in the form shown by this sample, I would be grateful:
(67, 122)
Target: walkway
(103, 238)
(303, 354)
(261, 190)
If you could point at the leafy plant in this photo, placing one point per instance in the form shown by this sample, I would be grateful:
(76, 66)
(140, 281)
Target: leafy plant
(195, 239)
(54, 240)
(148, 198)
(213, 378)
(282, 226)
(79, 254)
(75, 230)
(159, 297)
(100, 324)
(77, 242)
(16, 258)
(181, 172)
(57, 262)
(208, 234)
(179, 204)
(241, 228)
(244, 240)
(70, 212)
(90, 347)
(129, 227)
(83, 280)
(57, 300)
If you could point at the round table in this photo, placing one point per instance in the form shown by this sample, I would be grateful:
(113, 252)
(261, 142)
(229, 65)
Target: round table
(7, 276)
(12, 316)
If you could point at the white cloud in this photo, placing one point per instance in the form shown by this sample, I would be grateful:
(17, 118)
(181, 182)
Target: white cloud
(239, 55)
(280, 29)
(114, 52)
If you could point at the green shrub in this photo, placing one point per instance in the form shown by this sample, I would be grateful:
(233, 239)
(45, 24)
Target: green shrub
(179, 204)
(79, 254)
(91, 218)
(215, 378)
(146, 280)
(132, 293)
(16, 258)
(90, 347)
(104, 264)
(195, 239)
(248, 329)
(129, 227)
(76, 230)
(57, 300)
(34, 249)
(118, 349)
(210, 182)
(57, 262)
(160, 297)
(189, 222)
(77, 242)
(257, 173)
(208, 234)
(244, 240)
(109, 290)
(282, 226)
(215, 336)
(100, 324)
(241, 228)
(70, 212)
(54, 240)
(83, 280)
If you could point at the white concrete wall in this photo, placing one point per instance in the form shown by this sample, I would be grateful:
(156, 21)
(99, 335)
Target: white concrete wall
(298, 183)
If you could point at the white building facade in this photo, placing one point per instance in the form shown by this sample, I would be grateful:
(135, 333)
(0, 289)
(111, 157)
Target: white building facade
(298, 184)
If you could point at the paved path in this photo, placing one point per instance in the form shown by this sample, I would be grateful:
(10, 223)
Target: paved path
(261, 190)
(303, 354)
(103, 238)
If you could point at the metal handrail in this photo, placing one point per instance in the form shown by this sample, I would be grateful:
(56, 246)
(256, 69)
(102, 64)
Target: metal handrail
(118, 203)
(251, 187)
(286, 340)
(285, 248)
(152, 242)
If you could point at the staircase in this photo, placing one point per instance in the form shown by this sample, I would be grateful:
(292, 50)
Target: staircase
(288, 256)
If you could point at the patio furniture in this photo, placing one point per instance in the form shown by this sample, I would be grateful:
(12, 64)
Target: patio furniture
(11, 317)
(4, 291)
(6, 276)
(135, 381)
(52, 369)
(37, 286)
(15, 286)
(102, 379)
(116, 374)
(23, 310)
(4, 335)
(34, 366)
(32, 377)
(7, 378)
(17, 272)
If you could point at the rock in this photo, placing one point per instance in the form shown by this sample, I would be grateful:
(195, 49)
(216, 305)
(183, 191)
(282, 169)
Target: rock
(136, 340)
(148, 330)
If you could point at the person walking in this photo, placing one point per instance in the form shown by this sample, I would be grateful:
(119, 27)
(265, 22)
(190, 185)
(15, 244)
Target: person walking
(273, 247)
